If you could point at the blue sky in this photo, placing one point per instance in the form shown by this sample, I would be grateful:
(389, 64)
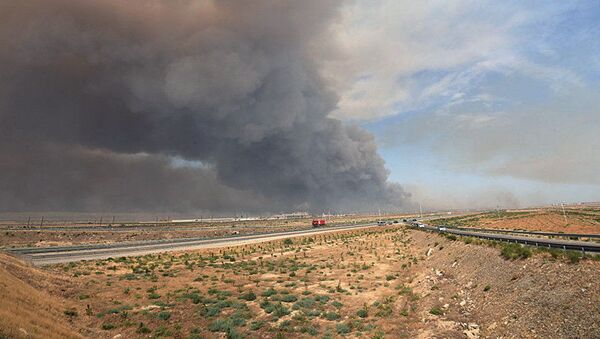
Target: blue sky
(477, 104)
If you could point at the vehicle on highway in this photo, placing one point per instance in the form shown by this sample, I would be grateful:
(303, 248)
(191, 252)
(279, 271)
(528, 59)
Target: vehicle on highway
(442, 228)
(318, 222)
(381, 223)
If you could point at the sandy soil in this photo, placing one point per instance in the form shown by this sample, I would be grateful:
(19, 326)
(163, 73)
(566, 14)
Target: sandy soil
(578, 220)
(383, 282)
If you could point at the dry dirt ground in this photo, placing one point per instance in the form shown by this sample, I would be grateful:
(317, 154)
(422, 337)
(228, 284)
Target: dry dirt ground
(584, 220)
(15, 235)
(387, 282)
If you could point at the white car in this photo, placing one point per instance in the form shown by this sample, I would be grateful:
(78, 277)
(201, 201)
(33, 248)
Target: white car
(442, 229)
(381, 223)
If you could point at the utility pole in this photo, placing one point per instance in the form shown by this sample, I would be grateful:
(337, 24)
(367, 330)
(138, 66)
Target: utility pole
(42, 222)
(100, 220)
(564, 213)
(420, 211)
(28, 221)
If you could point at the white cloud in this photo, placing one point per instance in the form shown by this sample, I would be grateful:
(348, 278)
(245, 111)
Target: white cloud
(385, 45)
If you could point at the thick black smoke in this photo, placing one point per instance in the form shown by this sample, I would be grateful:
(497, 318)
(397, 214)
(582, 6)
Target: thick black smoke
(98, 97)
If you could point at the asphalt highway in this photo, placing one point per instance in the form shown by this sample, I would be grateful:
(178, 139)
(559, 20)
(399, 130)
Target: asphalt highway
(63, 254)
(53, 255)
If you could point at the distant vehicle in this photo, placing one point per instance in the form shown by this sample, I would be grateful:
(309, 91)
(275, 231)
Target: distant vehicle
(395, 221)
(442, 229)
(381, 223)
(404, 220)
(420, 225)
(318, 222)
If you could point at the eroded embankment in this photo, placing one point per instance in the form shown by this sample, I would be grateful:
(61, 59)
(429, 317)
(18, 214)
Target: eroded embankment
(27, 310)
(534, 297)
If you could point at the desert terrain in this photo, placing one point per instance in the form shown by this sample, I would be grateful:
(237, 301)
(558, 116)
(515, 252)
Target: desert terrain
(574, 219)
(382, 282)
(14, 233)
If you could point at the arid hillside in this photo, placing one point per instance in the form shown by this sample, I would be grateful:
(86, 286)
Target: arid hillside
(573, 220)
(27, 310)
(386, 282)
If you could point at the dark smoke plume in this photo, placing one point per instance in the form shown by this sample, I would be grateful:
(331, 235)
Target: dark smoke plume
(98, 97)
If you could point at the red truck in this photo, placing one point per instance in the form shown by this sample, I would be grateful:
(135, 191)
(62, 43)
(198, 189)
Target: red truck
(318, 222)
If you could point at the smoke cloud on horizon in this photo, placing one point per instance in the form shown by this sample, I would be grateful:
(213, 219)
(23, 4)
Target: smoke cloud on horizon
(100, 100)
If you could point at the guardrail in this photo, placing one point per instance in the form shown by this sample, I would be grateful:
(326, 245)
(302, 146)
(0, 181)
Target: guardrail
(546, 234)
(538, 242)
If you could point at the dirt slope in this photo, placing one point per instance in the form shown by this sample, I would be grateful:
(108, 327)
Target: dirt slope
(26, 311)
(537, 297)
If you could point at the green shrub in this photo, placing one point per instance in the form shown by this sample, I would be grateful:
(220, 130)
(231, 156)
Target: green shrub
(142, 329)
(310, 329)
(363, 313)
(304, 303)
(267, 306)
(573, 256)
(332, 316)
(249, 296)
(269, 292)
(213, 310)
(487, 288)
(288, 298)
(256, 325)
(164, 315)
(108, 326)
(436, 311)
(342, 328)
(153, 295)
(323, 299)
(194, 297)
(515, 251)
(279, 310)
(404, 290)
(220, 325)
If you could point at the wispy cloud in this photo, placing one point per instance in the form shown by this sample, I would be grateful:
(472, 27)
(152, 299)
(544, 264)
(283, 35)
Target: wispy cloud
(389, 44)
